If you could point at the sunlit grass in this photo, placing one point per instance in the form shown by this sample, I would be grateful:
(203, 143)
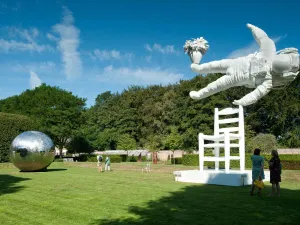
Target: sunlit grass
(75, 193)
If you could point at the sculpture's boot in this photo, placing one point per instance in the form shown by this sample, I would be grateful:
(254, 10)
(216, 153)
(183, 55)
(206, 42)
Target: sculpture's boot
(267, 45)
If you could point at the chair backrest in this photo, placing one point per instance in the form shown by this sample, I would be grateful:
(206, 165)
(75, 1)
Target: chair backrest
(239, 120)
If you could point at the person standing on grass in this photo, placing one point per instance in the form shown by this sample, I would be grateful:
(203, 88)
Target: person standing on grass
(99, 163)
(257, 169)
(107, 163)
(275, 172)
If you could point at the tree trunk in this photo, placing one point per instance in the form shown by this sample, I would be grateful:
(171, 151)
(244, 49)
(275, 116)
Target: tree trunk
(154, 157)
(60, 152)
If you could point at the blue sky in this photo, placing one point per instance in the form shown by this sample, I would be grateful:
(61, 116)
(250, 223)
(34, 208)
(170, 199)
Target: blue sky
(88, 47)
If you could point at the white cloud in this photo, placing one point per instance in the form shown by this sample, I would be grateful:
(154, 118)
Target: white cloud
(110, 55)
(40, 67)
(139, 76)
(147, 47)
(26, 41)
(34, 80)
(168, 49)
(52, 37)
(251, 48)
(68, 44)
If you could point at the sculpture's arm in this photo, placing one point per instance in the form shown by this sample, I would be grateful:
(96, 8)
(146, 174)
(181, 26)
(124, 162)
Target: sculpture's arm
(220, 66)
(266, 45)
(255, 95)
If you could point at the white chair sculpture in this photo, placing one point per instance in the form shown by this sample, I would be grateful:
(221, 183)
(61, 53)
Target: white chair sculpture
(222, 139)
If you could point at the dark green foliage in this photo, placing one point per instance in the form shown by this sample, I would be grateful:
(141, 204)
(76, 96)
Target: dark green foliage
(190, 160)
(79, 144)
(93, 158)
(59, 113)
(177, 161)
(265, 142)
(11, 125)
(113, 158)
(165, 117)
(132, 159)
(124, 158)
(193, 160)
(126, 142)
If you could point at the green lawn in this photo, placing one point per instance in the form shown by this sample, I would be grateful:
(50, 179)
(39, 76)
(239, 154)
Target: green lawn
(75, 193)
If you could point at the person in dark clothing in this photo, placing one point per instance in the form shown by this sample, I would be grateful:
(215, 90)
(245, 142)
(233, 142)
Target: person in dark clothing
(275, 172)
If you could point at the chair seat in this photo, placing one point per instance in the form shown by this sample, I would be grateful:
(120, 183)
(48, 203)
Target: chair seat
(220, 145)
(222, 158)
(221, 137)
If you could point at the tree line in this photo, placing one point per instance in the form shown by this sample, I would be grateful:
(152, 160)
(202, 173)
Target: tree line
(154, 117)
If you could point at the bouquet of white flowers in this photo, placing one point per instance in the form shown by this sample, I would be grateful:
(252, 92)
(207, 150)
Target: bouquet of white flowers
(196, 48)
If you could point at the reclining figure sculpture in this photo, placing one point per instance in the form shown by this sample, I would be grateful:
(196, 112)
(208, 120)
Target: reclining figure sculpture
(262, 70)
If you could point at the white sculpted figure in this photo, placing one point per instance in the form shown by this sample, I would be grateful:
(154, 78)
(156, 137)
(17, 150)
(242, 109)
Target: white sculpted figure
(262, 70)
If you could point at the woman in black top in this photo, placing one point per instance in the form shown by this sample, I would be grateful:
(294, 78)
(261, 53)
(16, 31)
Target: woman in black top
(275, 172)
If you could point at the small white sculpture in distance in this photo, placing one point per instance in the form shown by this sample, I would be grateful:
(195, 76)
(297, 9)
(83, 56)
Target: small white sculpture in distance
(261, 70)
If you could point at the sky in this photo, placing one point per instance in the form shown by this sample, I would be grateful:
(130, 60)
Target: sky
(92, 46)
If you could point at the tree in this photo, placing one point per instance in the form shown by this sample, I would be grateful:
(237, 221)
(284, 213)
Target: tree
(11, 125)
(58, 112)
(174, 140)
(79, 144)
(126, 142)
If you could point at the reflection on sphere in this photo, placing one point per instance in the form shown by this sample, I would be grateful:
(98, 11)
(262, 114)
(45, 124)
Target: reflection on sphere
(32, 151)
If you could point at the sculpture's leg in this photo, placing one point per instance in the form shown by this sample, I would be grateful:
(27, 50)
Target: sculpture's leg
(223, 83)
(220, 66)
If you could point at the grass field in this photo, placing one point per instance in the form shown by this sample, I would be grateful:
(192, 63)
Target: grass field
(75, 193)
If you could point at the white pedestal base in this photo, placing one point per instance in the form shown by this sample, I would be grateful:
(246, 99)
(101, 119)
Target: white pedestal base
(232, 178)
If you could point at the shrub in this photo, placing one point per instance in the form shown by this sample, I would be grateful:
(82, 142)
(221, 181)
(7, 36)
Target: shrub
(135, 159)
(11, 125)
(124, 158)
(92, 158)
(132, 159)
(144, 159)
(113, 158)
(265, 142)
(82, 158)
(177, 161)
(190, 160)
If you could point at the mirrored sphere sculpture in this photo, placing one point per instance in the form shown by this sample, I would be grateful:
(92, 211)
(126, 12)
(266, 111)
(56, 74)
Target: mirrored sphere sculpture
(32, 151)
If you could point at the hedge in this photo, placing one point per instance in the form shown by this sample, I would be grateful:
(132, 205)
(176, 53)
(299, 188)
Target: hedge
(11, 125)
(290, 165)
(135, 159)
(177, 161)
(113, 158)
(288, 161)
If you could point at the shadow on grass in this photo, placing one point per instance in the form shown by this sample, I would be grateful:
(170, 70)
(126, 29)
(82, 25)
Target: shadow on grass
(44, 170)
(8, 184)
(54, 170)
(212, 204)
